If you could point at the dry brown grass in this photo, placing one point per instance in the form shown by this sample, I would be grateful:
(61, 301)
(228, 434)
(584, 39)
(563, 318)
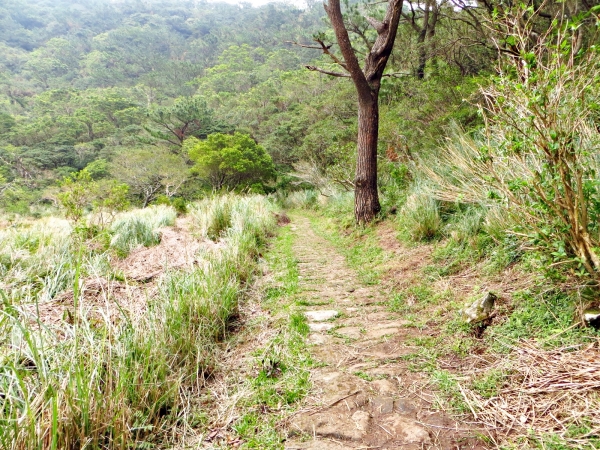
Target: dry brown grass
(547, 392)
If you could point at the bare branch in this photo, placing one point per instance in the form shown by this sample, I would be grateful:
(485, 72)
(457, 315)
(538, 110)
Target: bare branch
(324, 48)
(316, 47)
(397, 74)
(327, 72)
(412, 22)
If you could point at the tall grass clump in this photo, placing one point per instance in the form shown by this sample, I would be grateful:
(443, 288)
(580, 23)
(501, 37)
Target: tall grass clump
(340, 203)
(304, 199)
(35, 259)
(88, 381)
(420, 217)
(213, 217)
(139, 228)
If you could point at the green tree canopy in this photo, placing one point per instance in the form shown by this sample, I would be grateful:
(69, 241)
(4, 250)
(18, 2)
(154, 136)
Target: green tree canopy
(230, 161)
(150, 172)
(188, 117)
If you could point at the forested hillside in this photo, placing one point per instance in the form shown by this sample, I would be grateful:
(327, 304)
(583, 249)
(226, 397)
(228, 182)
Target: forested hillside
(102, 83)
(85, 82)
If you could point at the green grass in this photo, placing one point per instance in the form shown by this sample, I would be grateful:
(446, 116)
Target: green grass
(132, 229)
(448, 385)
(360, 246)
(299, 323)
(488, 384)
(115, 384)
(420, 218)
(365, 376)
(282, 363)
(545, 316)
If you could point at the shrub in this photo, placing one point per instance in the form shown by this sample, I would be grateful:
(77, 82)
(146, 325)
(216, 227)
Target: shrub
(538, 158)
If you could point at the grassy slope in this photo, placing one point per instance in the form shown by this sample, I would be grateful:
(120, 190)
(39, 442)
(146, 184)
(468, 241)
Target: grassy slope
(85, 378)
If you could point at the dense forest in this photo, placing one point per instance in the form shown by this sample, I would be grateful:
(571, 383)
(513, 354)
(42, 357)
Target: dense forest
(98, 85)
(437, 160)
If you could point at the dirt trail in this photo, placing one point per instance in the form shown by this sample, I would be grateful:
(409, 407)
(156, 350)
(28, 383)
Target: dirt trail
(364, 396)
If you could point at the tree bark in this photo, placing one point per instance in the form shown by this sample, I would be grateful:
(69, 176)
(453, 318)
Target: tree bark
(366, 199)
(421, 43)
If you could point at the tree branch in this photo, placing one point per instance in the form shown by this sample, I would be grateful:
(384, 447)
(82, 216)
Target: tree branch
(327, 72)
(385, 41)
(380, 27)
(396, 75)
(324, 48)
(354, 28)
(307, 46)
(334, 12)
(412, 22)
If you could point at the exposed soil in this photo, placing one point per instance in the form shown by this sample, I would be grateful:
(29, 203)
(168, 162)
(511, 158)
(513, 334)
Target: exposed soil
(101, 298)
(177, 249)
(364, 395)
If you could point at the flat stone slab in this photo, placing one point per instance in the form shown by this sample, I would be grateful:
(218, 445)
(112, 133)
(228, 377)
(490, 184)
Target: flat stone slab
(381, 332)
(382, 405)
(406, 430)
(322, 315)
(320, 326)
(345, 426)
(319, 339)
(350, 332)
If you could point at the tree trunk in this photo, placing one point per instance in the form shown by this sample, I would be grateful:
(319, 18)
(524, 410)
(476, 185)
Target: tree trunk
(367, 82)
(366, 199)
(422, 56)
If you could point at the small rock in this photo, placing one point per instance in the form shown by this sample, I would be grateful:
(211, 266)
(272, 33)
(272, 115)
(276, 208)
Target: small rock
(321, 316)
(480, 309)
(382, 405)
(361, 420)
(592, 317)
(282, 219)
(385, 387)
